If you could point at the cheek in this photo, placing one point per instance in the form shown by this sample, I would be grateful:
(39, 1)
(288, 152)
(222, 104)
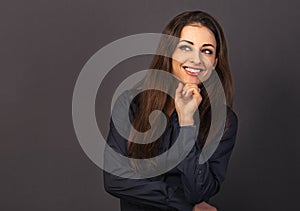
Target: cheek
(210, 61)
(213, 62)
(175, 65)
(181, 57)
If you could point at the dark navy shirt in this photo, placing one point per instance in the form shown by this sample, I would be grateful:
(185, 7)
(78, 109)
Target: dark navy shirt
(182, 187)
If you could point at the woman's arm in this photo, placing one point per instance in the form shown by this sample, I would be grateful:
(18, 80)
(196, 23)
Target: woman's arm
(202, 181)
(144, 192)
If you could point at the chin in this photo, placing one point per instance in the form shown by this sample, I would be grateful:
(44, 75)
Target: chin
(192, 82)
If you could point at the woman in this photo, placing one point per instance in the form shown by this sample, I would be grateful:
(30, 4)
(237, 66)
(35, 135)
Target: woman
(190, 184)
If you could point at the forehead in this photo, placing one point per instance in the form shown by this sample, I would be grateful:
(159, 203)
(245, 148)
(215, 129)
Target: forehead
(198, 34)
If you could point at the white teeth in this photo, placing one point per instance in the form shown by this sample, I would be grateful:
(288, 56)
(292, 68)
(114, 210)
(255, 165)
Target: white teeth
(192, 70)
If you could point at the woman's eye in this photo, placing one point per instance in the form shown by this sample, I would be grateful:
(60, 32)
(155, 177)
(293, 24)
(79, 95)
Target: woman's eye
(185, 48)
(207, 51)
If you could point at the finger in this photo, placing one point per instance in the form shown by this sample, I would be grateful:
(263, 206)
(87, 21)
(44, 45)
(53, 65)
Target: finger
(178, 92)
(197, 96)
(194, 94)
(192, 91)
(191, 86)
(188, 93)
(196, 91)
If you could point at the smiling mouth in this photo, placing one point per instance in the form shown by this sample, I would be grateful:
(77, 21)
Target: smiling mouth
(193, 71)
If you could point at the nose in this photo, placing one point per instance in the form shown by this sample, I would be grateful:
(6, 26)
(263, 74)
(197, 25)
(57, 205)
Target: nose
(196, 57)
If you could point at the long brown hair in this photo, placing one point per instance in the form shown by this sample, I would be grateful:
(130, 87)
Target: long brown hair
(151, 100)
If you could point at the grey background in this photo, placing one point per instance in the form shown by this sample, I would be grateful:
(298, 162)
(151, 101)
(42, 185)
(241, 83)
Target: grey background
(44, 45)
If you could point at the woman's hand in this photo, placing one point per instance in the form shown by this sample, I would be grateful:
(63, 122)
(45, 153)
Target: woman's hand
(203, 206)
(187, 100)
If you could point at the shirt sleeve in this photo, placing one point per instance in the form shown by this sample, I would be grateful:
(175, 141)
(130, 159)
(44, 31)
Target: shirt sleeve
(144, 192)
(147, 192)
(202, 181)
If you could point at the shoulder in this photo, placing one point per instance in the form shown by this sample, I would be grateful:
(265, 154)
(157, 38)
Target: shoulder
(232, 117)
(125, 104)
(231, 126)
(124, 109)
(127, 97)
(228, 139)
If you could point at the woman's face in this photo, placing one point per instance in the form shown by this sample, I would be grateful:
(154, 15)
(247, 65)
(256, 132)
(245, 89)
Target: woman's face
(195, 55)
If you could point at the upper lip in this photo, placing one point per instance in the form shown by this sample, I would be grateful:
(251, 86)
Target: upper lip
(197, 68)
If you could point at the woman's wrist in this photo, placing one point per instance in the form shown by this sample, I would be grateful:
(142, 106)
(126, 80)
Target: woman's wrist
(187, 121)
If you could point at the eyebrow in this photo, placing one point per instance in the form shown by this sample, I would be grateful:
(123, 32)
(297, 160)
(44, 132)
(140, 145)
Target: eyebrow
(187, 41)
(204, 45)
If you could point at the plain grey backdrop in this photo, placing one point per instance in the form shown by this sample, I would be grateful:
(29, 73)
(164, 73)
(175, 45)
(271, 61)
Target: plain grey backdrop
(44, 45)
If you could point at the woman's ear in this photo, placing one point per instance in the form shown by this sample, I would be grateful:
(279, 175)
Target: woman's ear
(215, 63)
